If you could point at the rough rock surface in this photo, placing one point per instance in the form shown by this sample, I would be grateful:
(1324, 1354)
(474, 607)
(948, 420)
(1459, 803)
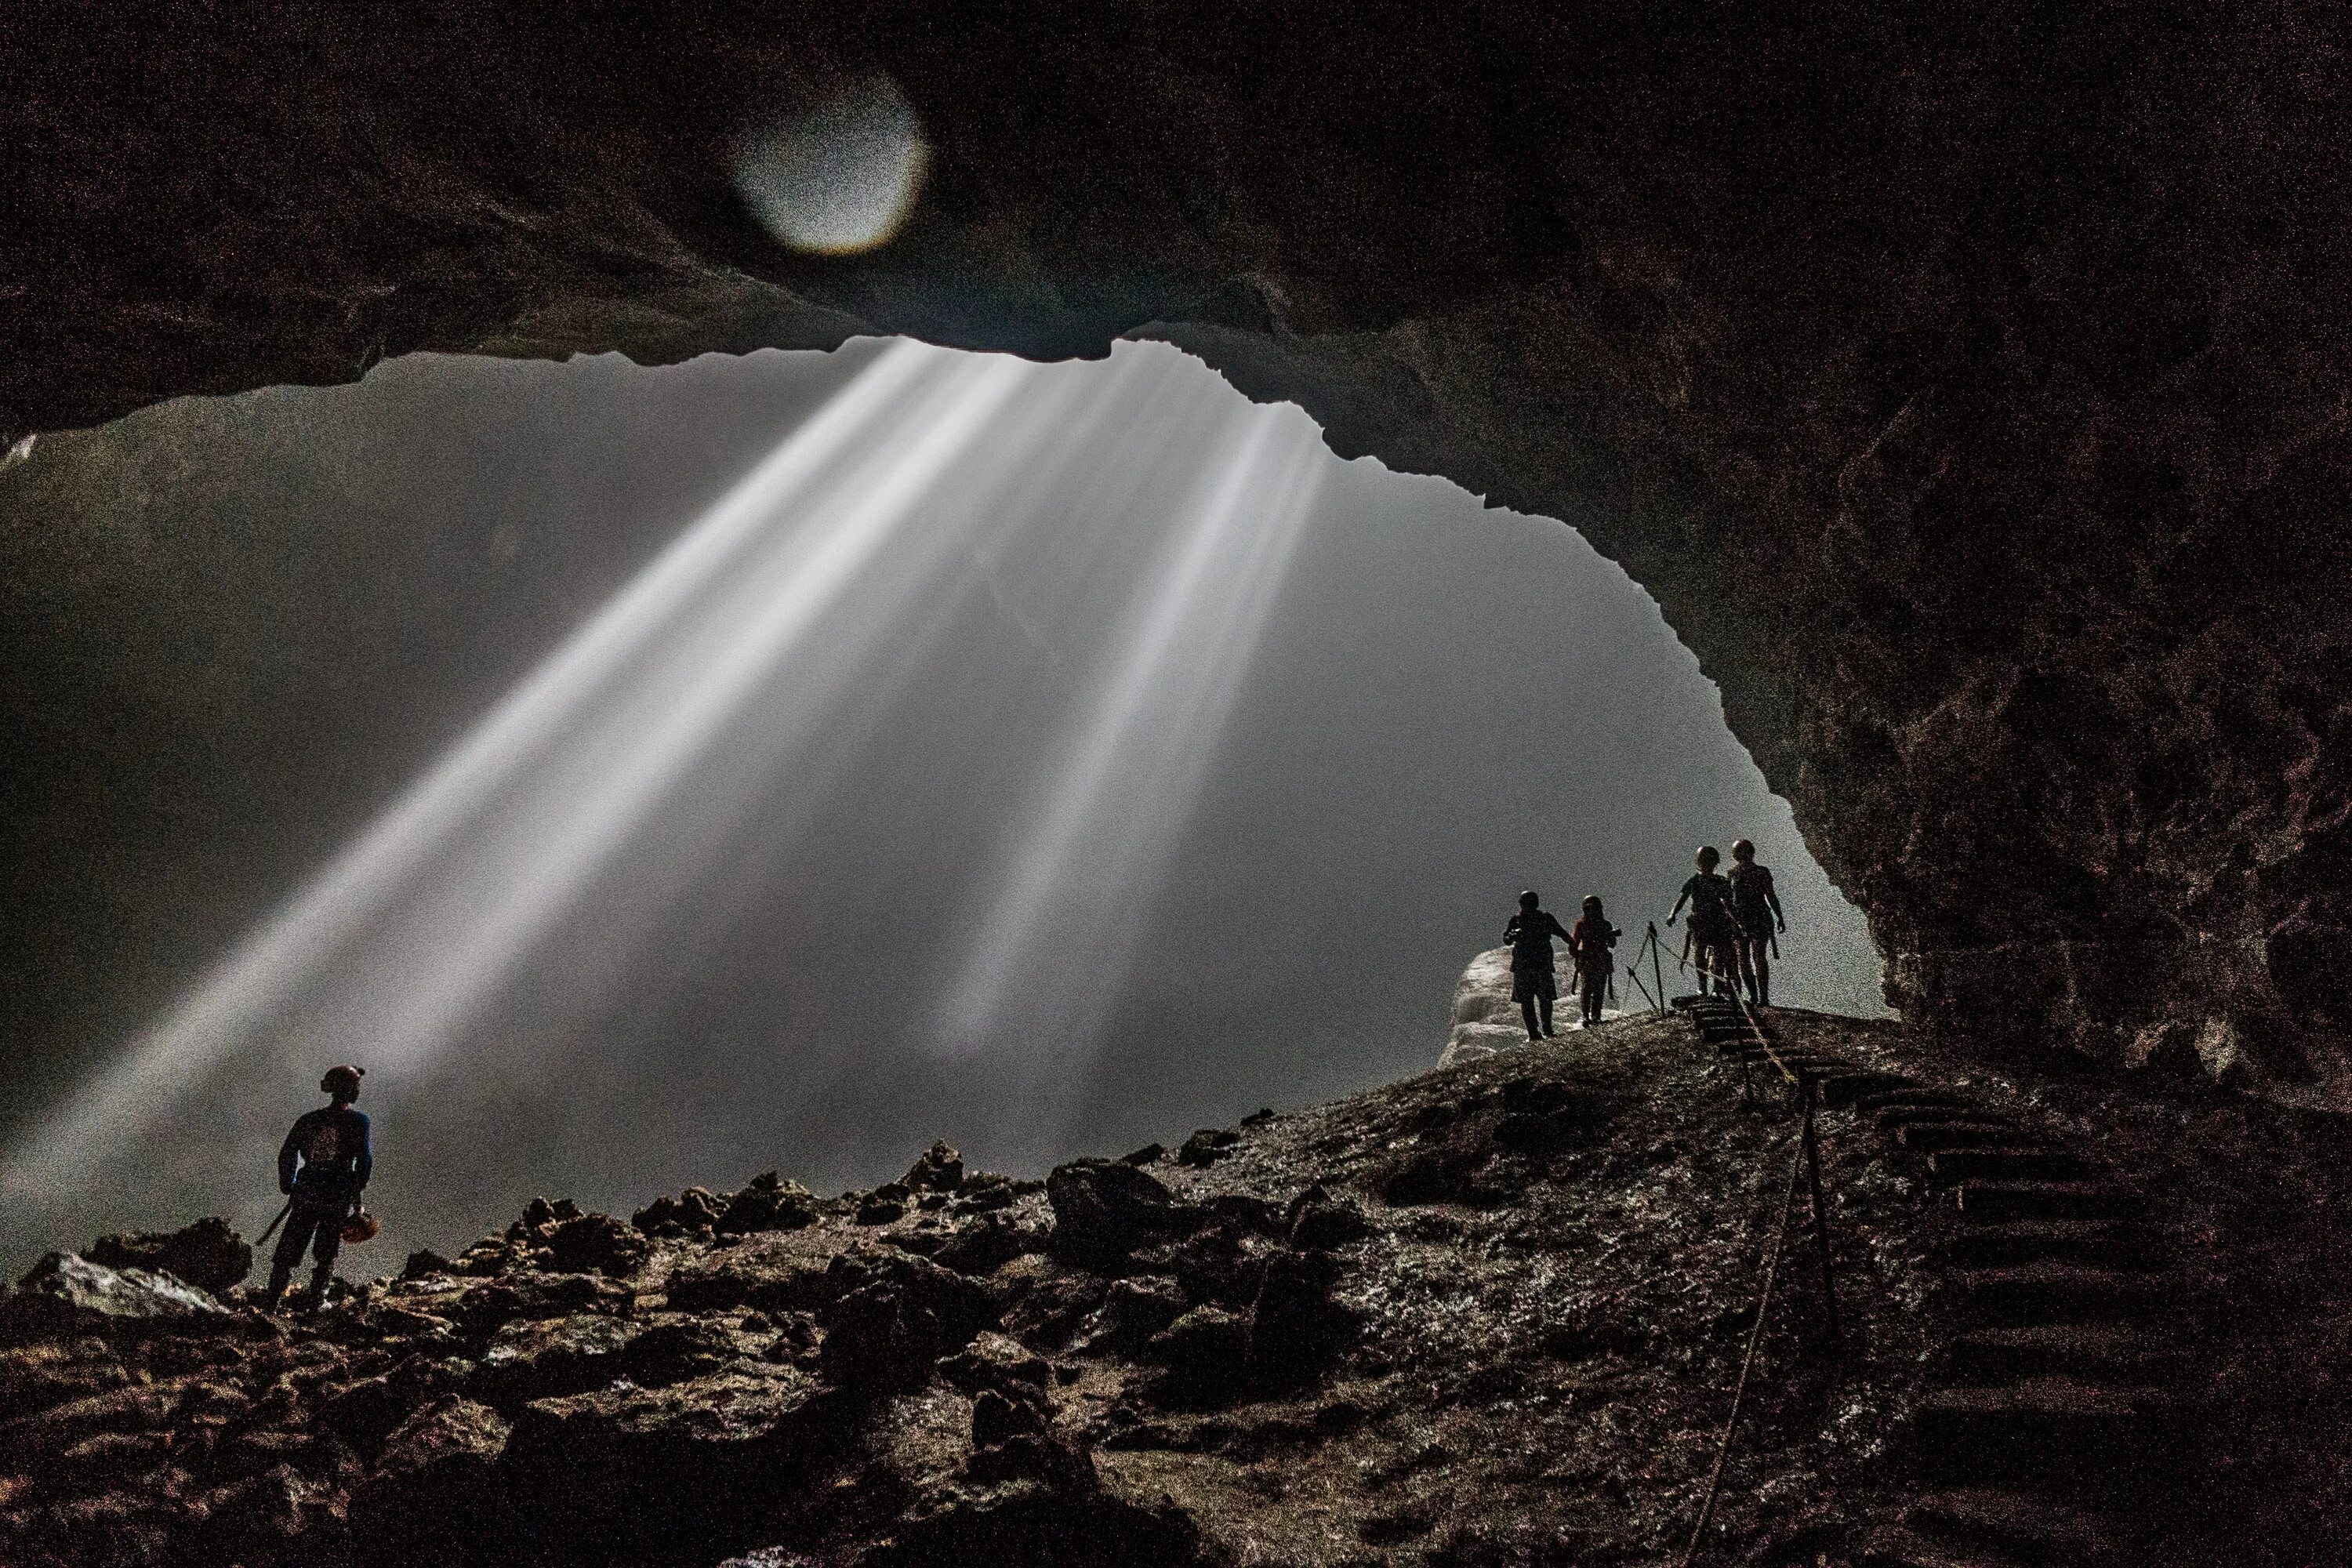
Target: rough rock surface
(209, 1254)
(1966, 383)
(1490, 1315)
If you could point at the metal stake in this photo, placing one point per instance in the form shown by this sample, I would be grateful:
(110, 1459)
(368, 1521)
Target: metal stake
(1821, 1209)
(1657, 971)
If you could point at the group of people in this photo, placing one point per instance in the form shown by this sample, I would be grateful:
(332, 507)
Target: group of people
(1734, 924)
(325, 1162)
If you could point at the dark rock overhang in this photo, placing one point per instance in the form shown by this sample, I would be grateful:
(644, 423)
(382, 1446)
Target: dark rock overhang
(1970, 389)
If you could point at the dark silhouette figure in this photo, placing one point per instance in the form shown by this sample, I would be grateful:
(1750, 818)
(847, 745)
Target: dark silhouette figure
(1589, 945)
(1528, 935)
(331, 1147)
(1757, 909)
(1712, 927)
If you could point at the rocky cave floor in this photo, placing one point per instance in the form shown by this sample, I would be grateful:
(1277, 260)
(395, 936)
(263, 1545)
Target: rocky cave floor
(1492, 1314)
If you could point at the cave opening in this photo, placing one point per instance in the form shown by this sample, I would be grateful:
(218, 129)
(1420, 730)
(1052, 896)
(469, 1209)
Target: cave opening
(781, 761)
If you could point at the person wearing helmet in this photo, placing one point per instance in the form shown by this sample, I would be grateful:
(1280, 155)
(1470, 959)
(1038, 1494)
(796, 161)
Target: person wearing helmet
(1757, 909)
(323, 1166)
(1712, 927)
(1590, 945)
(1528, 936)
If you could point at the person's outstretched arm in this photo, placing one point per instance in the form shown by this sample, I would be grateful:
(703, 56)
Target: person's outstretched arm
(286, 1152)
(1679, 898)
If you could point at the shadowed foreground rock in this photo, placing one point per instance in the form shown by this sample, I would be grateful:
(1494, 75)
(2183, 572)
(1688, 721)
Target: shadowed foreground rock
(1487, 1316)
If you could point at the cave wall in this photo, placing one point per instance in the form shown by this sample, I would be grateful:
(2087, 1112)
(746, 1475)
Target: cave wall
(1969, 389)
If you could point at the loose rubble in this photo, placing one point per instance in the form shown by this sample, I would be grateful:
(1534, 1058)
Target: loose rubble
(1488, 1315)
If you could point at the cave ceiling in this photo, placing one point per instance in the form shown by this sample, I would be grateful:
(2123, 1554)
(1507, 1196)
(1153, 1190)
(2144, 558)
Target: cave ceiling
(1967, 384)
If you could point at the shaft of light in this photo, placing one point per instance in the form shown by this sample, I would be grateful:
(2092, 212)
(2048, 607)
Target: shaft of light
(1059, 939)
(268, 971)
(723, 693)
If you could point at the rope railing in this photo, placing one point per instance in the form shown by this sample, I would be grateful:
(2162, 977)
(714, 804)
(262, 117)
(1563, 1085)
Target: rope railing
(1747, 1366)
(1805, 1161)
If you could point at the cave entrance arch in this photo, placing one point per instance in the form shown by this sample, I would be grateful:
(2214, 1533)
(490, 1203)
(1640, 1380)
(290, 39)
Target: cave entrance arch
(592, 735)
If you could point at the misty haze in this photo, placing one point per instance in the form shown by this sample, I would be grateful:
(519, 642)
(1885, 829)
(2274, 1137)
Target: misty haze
(651, 783)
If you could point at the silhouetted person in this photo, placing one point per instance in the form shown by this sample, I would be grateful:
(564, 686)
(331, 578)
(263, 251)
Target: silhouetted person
(1712, 927)
(1757, 909)
(1528, 936)
(331, 1145)
(1589, 945)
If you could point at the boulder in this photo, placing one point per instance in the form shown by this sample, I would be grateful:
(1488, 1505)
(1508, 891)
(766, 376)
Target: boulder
(209, 1254)
(544, 1358)
(939, 1169)
(1207, 1146)
(1104, 1209)
(484, 1309)
(899, 1314)
(1134, 1311)
(1014, 1412)
(595, 1244)
(678, 1474)
(769, 1203)
(1214, 1264)
(986, 1243)
(275, 1516)
(985, 1190)
(1203, 1352)
(695, 1209)
(432, 1497)
(1318, 1227)
(924, 1234)
(64, 1294)
(775, 1271)
(992, 1361)
(680, 1349)
(886, 1204)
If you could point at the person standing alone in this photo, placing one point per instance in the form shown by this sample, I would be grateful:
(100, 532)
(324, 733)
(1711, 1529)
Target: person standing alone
(1589, 945)
(1533, 987)
(322, 1167)
(1757, 907)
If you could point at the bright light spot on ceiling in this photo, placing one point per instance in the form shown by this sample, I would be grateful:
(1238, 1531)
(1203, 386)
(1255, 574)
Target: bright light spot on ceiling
(839, 178)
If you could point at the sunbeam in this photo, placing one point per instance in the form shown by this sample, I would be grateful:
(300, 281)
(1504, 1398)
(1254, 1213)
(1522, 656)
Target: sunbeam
(395, 943)
(1057, 939)
(626, 770)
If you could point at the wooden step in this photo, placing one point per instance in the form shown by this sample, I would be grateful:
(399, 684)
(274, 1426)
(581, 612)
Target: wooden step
(2114, 1352)
(1997, 1202)
(1912, 1095)
(2010, 1162)
(1892, 1118)
(1893, 1546)
(2063, 1293)
(2105, 1244)
(1850, 1089)
(2056, 1432)
(1929, 1137)
(2038, 1533)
